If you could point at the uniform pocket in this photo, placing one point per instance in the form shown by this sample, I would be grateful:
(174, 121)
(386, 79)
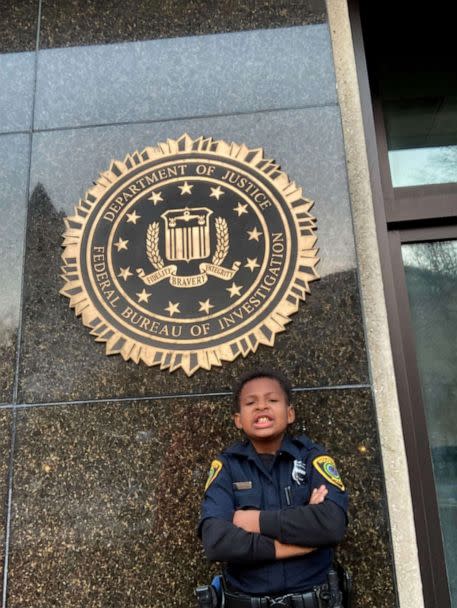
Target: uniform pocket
(300, 495)
(247, 499)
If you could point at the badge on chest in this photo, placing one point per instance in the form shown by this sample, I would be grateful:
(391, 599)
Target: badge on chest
(299, 472)
(242, 485)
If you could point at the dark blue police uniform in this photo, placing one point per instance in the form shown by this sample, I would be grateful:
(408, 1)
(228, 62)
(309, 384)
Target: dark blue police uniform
(242, 480)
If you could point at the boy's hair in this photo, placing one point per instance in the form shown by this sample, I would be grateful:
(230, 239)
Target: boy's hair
(260, 373)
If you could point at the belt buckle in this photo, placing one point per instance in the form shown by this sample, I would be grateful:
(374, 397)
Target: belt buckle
(279, 602)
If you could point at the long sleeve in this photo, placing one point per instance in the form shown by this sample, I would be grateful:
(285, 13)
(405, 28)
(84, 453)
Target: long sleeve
(222, 540)
(307, 525)
(225, 542)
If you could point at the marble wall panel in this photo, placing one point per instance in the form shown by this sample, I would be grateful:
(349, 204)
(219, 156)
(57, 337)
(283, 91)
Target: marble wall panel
(93, 22)
(14, 163)
(18, 25)
(16, 86)
(61, 361)
(106, 503)
(344, 421)
(195, 76)
(5, 443)
(307, 143)
(107, 498)
(106, 494)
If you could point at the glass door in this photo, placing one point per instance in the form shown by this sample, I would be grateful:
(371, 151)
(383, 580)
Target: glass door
(430, 270)
(410, 120)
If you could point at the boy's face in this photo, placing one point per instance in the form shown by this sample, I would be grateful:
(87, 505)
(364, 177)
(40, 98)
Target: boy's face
(264, 413)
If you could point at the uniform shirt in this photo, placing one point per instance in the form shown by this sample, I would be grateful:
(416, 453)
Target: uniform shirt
(242, 479)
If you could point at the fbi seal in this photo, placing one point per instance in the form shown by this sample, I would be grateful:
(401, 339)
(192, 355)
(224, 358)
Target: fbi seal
(189, 254)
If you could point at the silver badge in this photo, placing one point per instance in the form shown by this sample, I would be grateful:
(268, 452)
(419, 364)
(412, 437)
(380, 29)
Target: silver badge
(299, 472)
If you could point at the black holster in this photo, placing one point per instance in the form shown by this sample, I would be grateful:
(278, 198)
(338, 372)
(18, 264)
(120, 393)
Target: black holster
(345, 584)
(206, 597)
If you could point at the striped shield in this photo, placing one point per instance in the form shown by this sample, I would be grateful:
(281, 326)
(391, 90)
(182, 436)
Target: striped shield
(187, 234)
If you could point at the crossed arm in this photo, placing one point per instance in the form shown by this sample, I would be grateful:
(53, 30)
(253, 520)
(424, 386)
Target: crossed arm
(249, 521)
(265, 535)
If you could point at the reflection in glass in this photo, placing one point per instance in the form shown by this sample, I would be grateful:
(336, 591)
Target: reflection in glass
(418, 166)
(418, 88)
(431, 278)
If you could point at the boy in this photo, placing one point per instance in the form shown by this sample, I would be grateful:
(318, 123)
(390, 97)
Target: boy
(274, 504)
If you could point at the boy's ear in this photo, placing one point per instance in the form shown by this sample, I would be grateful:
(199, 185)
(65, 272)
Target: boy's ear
(237, 421)
(290, 414)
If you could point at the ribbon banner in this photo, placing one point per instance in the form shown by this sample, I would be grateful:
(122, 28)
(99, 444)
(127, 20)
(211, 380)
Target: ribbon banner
(169, 272)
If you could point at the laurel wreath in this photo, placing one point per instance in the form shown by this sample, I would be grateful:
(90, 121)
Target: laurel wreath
(152, 246)
(222, 246)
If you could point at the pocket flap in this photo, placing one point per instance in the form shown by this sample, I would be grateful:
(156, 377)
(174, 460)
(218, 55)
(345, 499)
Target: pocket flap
(245, 499)
(300, 495)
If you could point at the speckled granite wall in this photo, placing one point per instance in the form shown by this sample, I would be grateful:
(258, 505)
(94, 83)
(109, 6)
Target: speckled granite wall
(5, 446)
(104, 511)
(110, 457)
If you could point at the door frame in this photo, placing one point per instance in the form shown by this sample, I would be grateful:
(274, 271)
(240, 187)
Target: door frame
(405, 215)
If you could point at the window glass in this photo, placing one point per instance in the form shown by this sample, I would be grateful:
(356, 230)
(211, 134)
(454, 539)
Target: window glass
(431, 279)
(416, 166)
(421, 125)
(411, 60)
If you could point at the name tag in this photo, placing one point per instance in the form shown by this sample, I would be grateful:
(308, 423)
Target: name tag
(242, 485)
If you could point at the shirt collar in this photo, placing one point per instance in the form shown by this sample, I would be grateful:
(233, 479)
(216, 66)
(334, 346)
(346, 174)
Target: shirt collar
(245, 448)
(290, 446)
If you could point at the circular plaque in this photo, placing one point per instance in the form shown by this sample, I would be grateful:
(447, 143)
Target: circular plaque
(189, 254)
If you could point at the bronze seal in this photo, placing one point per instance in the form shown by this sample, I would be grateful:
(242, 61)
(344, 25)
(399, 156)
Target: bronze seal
(189, 254)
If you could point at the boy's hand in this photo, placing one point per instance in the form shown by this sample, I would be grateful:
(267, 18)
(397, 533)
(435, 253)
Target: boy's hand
(249, 520)
(283, 551)
(318, 495)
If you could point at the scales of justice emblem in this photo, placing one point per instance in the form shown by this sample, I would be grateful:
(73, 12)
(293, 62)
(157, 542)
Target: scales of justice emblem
(189, 254)
(187, 237)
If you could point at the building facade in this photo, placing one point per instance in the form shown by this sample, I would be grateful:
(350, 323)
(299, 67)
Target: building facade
(104, 460)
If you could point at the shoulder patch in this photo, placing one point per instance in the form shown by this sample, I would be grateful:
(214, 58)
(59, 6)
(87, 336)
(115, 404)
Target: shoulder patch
(215, 469)
(326, 466)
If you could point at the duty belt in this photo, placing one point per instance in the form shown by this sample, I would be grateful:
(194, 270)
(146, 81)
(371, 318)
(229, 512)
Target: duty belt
(310, 599)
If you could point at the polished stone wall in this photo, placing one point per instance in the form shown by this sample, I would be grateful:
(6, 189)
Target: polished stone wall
(102, 462)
